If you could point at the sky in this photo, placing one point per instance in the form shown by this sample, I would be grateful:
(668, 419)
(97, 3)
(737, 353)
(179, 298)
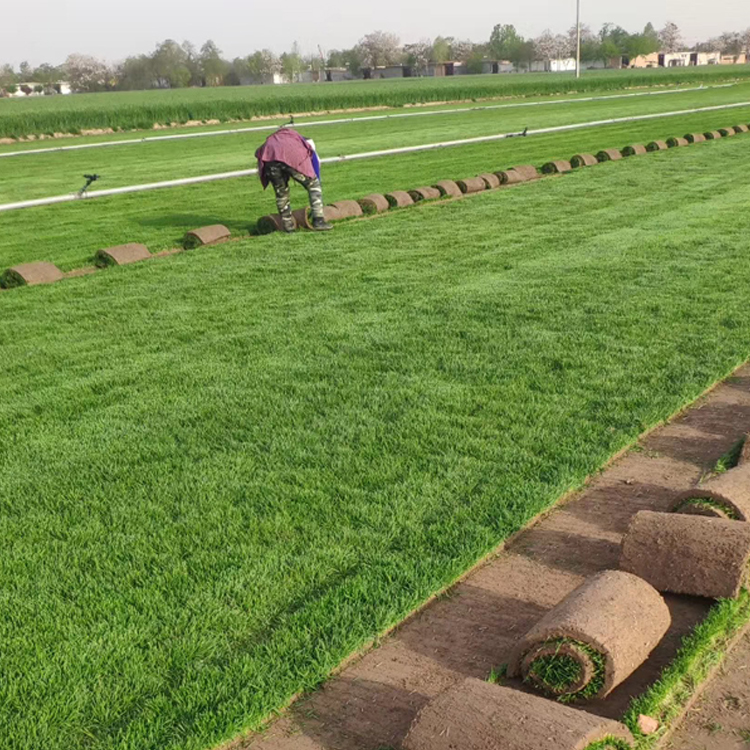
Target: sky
(114, 31)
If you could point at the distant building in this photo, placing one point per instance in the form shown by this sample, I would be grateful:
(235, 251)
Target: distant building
(443, 69)
(562, 65)
(740, 59)
(34, 88)
(673, 60)
(329, 75)
(497, 66)
(332, 75)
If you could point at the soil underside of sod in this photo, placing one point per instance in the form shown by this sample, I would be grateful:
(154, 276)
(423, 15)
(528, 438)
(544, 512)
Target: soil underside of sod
(471, 629)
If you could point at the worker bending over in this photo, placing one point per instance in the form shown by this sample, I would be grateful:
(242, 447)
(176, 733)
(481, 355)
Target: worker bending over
(287, 154)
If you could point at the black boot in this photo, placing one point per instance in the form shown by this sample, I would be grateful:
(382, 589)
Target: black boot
(319, 224)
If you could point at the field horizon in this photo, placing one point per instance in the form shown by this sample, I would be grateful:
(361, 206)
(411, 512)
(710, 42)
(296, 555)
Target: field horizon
(141, 110)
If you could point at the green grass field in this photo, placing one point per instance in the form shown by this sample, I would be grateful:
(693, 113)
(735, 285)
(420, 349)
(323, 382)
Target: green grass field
(224, 471)
(141, 109)
(41, 175)
(69, 234)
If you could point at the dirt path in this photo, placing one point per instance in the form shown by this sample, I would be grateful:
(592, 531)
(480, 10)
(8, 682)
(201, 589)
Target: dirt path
(720, 719)
(471, 630)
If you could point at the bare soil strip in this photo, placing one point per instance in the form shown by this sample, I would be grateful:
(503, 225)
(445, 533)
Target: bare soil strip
(720, 718)
(472, 629)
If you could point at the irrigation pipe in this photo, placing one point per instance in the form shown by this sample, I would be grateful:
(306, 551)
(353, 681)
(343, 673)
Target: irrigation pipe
(345, 120)
(354, 157)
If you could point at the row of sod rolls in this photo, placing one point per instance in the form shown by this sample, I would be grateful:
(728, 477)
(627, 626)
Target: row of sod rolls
(42, 272)
(377, 203)
(599, 634)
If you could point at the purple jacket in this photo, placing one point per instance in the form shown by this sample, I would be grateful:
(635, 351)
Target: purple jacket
(290, 148)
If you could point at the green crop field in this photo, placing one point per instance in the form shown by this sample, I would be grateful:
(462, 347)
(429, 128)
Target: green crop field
(142, 109)
(224, 471)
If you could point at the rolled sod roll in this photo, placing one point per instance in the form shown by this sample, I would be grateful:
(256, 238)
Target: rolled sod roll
(727, 132)
(609, 154)
(270, 223)
(594, 638)
(348, 209)
(399, 199)
(424, 194)
(636, 149)
(30, 274)
(657, 146)
(675, 142)
(121, 255)
(687, 554)
(471, 185)
(373, 204)
(302, 218)
(477, 715)
(725, 496)
(712, 135)
(511, 177)
(331, 213)
(556, 167)
(583, 160)
(491, 180)
(529, 171)
(741, 128)
(206, 236)
(449, 188)
(695, 137)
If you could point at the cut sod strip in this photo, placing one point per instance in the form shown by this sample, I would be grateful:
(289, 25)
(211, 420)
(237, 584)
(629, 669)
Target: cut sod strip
(594, 639)
(701, 652)
(688, 554)
(364, 155)
(475, 715)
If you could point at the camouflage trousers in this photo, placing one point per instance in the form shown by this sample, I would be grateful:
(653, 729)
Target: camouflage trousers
(278, 175)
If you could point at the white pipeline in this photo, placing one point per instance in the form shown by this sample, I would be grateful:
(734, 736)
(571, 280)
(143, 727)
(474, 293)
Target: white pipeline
(345, 120)
(363, 155)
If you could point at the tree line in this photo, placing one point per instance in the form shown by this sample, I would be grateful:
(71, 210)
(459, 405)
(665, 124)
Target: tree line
(173, 65)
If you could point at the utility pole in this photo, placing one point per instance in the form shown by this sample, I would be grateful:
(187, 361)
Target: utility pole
(578, 38)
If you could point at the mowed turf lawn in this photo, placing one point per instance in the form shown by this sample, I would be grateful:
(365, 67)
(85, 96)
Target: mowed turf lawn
(69, 234)
(224, 471)
(57, 173)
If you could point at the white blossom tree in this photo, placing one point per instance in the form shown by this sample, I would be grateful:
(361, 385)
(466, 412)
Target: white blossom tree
(670, 37)
(379, 48)
(86, 73)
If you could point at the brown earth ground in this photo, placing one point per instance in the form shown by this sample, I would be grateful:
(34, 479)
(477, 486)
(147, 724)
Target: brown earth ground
(471, 629)
(720, 718)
